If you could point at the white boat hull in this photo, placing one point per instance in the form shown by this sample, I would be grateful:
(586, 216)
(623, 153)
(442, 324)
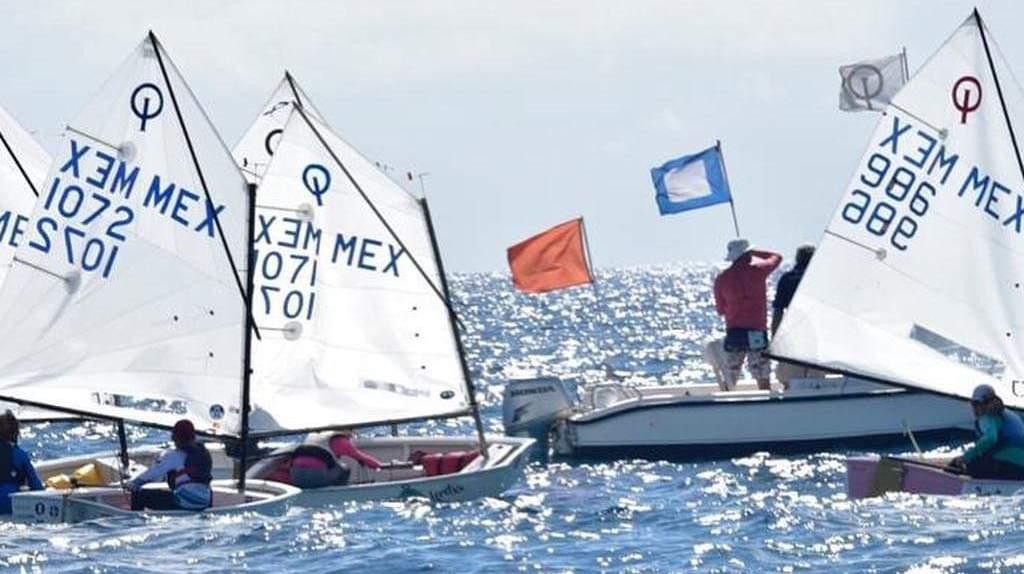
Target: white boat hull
(89, 503)
(700, 422)
(507, 456)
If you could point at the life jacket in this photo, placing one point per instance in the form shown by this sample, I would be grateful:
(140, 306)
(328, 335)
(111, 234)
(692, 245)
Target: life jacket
(1011, 434)
(315, 452)
(198, 467)
(10, 474)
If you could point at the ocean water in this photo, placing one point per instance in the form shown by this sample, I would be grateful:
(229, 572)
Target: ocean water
(762, 513)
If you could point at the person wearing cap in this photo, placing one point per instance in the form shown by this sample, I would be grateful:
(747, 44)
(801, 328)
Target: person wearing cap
(188, 469)
(741, 297)
(998, 452)
(16, 470)
(784, 291)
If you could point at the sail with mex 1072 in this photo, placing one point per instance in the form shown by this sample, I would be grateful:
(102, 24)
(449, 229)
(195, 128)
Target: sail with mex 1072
(129, 280)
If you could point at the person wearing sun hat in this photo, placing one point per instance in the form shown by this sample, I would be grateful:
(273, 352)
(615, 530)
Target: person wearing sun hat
(741, 298)
(188, 469)
(998, 452)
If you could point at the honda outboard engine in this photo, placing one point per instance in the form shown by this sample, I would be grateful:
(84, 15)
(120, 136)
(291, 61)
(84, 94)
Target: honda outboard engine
(531, 406)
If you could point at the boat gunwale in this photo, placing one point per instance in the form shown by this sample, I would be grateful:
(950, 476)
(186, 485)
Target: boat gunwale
(748, 398)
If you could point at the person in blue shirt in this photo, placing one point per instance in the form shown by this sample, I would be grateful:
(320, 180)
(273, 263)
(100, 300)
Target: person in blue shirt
(998, 453)
(16, 470)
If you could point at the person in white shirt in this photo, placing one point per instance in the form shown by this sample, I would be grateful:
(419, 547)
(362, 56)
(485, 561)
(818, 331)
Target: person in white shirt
(188, 470)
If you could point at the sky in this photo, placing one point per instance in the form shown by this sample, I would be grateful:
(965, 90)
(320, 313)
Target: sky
(525, 114)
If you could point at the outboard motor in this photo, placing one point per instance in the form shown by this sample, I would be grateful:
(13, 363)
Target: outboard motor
(531, 406)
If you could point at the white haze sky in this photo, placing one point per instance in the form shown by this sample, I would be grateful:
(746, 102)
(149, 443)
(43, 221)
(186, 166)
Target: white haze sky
(528, 113)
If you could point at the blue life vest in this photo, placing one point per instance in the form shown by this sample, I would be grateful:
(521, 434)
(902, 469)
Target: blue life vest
(9, 473)
(198, 466)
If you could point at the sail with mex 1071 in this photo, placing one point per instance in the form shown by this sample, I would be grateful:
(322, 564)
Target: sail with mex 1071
(349, 295)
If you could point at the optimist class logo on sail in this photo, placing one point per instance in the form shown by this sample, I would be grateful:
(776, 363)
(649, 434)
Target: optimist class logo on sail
(88, 208)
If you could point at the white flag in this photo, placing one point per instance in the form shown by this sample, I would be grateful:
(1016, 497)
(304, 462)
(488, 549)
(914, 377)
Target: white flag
(871, 84)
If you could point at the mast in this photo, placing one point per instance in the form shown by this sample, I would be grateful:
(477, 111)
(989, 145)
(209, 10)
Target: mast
(245, 290)
(455, 332)
(122, 440)
(247, 352)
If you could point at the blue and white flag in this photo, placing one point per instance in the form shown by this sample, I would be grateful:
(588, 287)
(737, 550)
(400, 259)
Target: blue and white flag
(691, 182)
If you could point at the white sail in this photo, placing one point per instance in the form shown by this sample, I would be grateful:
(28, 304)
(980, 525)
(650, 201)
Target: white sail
(919, 278)
(23, 165)
(254, 150)
(123, 285)
(352, 332)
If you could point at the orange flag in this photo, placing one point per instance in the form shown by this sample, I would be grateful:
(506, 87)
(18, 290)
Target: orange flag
(554, 259)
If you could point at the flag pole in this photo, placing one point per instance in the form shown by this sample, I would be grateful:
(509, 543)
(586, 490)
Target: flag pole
(586, 249)
(590, 261)
(725, 175)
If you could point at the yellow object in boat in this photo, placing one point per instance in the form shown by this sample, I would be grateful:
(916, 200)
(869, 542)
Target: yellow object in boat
(88, 475)
(59, 482)
(85, 475)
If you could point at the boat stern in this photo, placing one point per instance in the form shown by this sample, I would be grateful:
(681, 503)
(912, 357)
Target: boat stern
(531, 407)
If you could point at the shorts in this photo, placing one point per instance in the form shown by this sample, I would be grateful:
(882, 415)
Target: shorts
(759, 366)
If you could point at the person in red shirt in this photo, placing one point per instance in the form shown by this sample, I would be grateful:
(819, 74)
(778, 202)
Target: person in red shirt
(741, 297)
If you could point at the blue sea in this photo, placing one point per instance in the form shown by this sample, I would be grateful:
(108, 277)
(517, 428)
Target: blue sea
(761, 513)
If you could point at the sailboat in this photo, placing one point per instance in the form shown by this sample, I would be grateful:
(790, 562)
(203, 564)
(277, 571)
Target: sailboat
(132, 280)
(357, 324)
(23, 165)
(917, 281)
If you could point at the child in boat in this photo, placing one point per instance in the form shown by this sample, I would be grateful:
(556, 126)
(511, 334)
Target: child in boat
(998, 453)
(188, 469)
(314, 467)
(16, 468)
(342, 445)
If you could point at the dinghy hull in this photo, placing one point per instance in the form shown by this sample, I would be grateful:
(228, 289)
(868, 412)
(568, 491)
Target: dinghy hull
(869, 476)
(89, 503)
(481, 478)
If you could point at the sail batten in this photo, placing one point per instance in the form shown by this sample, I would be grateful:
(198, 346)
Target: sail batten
(918, 277)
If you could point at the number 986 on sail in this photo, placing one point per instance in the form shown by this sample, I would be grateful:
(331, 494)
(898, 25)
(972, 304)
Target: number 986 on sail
(893, 189)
